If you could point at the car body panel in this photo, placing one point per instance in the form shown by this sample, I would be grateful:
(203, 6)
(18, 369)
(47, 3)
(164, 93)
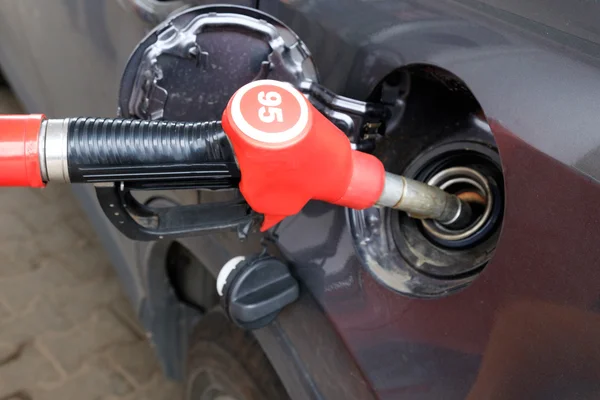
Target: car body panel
(525, 328)
(506, 333)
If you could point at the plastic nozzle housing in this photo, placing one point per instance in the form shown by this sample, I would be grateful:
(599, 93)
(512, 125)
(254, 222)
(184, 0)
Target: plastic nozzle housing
(289, 153)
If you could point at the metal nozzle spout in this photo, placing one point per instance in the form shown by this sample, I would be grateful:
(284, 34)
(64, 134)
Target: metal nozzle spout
(423, 201)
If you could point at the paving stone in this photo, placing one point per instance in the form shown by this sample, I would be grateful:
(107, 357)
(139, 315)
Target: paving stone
(136, 360)
(86, 261)
(79, 302)
(79, 224)
(59, 240)
(18, 292)
(159, 389)
(124, 310)
(13, 226)
(66, 329)
(40, 318)
(18, 256)
(98, 333)
(95, 380)
(156, 389)
(28, 369)
(20, 395)
(6, 350)
(5, 313)
(20, 201)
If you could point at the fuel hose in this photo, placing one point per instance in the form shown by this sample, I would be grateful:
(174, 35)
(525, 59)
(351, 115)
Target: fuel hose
(271, 141)
(35, 150)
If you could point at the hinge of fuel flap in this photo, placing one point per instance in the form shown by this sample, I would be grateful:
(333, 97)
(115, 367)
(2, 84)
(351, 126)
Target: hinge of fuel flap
(363, 122)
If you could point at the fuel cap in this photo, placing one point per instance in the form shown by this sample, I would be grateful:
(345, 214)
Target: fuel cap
(254, 290)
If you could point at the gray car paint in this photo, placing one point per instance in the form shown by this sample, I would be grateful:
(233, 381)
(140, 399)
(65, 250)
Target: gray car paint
(538, 85)
(532, 65)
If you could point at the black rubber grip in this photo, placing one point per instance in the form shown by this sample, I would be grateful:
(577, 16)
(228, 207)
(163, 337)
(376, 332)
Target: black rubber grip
(150, 154)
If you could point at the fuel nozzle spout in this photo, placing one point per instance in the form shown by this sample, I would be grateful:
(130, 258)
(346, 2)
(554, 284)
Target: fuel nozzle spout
(424, 201)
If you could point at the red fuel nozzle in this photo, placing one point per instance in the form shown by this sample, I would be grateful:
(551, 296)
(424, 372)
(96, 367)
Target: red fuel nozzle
(289, 153)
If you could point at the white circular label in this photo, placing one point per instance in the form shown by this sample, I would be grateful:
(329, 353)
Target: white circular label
(270, 111)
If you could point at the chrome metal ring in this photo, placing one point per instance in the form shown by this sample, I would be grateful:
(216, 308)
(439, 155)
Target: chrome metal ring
(57, 168)
(451, 176)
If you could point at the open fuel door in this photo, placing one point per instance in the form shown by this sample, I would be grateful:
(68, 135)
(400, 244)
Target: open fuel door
(188, 68)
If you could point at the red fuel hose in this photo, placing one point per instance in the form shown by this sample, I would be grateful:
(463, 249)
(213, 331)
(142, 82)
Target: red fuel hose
(20, 150)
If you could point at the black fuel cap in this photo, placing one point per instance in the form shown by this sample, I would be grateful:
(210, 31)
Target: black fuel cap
(254, 290)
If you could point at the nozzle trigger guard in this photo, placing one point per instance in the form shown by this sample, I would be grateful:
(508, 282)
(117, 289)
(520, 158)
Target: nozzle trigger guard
(139, 221)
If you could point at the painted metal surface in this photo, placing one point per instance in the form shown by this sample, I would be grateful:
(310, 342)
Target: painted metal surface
(525, 327)
(528, 326)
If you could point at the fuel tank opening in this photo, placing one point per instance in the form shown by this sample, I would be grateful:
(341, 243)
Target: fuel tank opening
(473, 177)
(472, 188)
(442, 138)
(467, 168)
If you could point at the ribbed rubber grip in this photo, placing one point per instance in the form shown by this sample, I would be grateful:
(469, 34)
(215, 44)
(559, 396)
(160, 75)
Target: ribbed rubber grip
(150, 153)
